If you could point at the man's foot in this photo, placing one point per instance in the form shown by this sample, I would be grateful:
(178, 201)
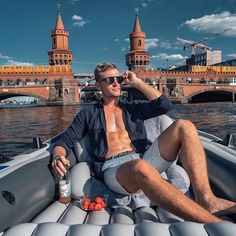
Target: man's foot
(218, 206)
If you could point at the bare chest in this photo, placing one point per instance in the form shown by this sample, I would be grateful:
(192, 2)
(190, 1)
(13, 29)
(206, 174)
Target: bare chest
(114, 120)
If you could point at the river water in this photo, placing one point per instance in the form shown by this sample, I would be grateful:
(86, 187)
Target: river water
(18, 126)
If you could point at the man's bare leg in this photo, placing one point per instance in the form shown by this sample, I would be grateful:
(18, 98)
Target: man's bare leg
(138, 174)
(182, 135)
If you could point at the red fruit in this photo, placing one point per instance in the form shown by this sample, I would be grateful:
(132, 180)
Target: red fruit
(85, 207)
(103, 204)
(98, 207)
(87, 199)
(98, 200)
(91, 207)
(86, 202)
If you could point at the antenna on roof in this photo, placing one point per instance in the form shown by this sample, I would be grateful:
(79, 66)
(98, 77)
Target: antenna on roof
(58, 7)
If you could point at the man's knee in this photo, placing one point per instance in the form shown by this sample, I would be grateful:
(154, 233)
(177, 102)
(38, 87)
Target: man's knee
(184, 126)
(141, 168)
(132, 173)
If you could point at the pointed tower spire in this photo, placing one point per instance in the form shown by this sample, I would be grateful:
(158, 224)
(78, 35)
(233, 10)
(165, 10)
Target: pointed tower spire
(60, 53)
(59, 23)
(137, 58)
(137, 28)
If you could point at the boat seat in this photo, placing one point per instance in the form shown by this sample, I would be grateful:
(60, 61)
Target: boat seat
(122, 216)
(147, 229)
(154, 127)
(121, 208)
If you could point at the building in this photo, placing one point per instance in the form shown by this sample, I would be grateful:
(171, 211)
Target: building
(54, 83)
(59, 54)
(137, 56)
(205, 58)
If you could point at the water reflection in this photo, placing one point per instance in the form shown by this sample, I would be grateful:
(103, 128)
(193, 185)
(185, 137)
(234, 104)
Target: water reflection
(20, 125)
(215, 118)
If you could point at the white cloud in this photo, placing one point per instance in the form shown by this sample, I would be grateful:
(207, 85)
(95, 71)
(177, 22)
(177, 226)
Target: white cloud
(214, 23)
(173, 57)
(116, 40)
(5, 57)
(145, 3)
(18, 63)
(165, 44)
(232, 55)
(151, 43)
(80, 22)
(123, 49)
(75, 17)
(74, 1)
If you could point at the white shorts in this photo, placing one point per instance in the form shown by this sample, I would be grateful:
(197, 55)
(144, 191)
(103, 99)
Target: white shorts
(152, 156)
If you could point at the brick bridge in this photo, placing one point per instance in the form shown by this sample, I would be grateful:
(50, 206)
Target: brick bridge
(186, 92)
(60, 92)
(181, 92)
(183, 86)
(53, 85)
(41, 92)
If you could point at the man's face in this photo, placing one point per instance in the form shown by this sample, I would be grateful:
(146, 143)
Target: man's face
(110, 83)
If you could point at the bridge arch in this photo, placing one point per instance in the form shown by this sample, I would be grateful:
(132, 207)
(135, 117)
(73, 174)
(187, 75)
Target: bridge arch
(11, 94)
(211, 95)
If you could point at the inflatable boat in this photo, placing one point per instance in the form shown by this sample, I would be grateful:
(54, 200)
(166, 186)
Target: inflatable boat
(29, 194)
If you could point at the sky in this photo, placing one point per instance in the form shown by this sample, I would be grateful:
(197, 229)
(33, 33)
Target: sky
(99, 30)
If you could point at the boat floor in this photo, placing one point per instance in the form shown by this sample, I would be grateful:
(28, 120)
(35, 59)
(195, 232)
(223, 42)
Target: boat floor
(70, 220)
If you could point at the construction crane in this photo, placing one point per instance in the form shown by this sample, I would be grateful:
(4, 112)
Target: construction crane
(194, 44)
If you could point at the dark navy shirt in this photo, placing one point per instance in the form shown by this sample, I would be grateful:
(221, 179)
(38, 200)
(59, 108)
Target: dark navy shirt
(91, 121)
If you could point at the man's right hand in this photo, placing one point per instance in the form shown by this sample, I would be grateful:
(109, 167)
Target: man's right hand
(60, 165)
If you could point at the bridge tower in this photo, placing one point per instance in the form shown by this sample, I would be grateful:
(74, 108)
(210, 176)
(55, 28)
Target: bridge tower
(138, 57)
(59, 54)
(65, 90)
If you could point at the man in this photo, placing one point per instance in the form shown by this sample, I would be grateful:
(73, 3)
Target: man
(128, 163)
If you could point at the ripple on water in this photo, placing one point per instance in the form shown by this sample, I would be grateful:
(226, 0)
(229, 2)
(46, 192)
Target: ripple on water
(20, 125)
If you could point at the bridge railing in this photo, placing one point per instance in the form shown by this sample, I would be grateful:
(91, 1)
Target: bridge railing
(23, 84)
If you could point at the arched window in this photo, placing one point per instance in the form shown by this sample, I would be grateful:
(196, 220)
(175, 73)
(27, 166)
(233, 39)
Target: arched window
(66, 92)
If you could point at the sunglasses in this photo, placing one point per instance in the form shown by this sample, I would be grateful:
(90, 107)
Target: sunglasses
(111, 80)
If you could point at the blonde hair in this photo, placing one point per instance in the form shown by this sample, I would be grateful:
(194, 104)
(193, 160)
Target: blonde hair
(103, 67)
